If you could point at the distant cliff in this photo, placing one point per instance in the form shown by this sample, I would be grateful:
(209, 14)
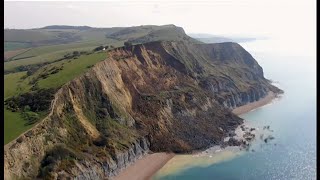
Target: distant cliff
(171, 96)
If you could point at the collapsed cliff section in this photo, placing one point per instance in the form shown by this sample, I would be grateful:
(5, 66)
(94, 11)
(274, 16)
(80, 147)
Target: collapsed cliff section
(159, 96)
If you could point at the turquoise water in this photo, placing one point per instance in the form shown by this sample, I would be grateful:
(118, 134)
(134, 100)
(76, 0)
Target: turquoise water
(292, 154)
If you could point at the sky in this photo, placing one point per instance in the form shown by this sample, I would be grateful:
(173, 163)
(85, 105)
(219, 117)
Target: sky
(289, 20)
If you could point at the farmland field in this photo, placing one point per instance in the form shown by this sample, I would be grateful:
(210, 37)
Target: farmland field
(10, 46)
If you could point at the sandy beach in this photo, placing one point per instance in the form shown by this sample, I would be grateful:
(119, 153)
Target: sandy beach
(145, 168)
(254, 105)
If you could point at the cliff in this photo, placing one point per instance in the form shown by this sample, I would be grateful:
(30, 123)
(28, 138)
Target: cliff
(169, 96)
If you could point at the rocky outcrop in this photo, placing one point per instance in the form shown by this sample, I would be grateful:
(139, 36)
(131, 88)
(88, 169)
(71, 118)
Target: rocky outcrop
(242, 98)
(114, 166)
(160, 96)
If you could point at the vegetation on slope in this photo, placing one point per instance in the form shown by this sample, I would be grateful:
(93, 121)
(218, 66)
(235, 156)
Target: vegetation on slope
(23, 92)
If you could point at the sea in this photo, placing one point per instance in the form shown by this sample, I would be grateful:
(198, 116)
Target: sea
(291, 155)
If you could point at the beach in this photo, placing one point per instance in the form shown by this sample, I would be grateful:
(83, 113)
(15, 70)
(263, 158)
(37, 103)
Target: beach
(254, 105)
(146, 167)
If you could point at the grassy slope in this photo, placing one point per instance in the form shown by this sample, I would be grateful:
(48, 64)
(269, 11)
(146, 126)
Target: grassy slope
(11, 84)
(71, 70)
(51, 53)
(90, 40)
(14, 124)
(17, 35)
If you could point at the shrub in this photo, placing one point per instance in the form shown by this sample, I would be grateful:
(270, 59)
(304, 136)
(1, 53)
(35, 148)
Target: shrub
(59, 153)
(76, 53)
(99, 48)
(30, 117)
(39, 100)
(127, 44)
(90, 66)
(102, 141)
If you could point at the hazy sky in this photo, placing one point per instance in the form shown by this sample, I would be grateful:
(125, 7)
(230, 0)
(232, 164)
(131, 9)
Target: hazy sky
(285, 19)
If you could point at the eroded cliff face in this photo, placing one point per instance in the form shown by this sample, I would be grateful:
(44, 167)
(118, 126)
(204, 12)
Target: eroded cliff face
(159, 96)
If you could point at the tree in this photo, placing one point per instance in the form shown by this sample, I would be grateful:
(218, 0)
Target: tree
(98, 48)
(76, 53)
(126, 44)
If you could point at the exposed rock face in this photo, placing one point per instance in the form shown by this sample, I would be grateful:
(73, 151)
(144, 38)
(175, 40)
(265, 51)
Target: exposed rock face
(114, 166)
(240, 99)
(159, 96)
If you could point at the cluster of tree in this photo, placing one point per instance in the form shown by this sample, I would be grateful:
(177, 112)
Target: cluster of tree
(59, 154)
(100, 48)
(29, 68)
(46, 74)
(127, 44)
(29, 116)
(55, 69)
(35, 101)
(74, 54)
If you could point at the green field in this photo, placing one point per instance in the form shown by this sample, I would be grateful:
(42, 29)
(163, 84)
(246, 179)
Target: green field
(52, 53)
(10, 46)
(71, 70)
(14, 125)
(13, 83)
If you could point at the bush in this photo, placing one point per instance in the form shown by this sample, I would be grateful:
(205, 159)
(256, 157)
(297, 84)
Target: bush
(39, 100)
(30, 117)
(58, 153)
(102, 141)
(98, 48)
(127, 44)
(76, 53)
(90, 66)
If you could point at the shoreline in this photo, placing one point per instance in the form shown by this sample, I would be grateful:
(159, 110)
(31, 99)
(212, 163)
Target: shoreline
(145, 167)
(255, 105)
(149, 165)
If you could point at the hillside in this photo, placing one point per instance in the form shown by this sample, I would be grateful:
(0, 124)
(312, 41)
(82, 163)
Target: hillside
(40, 62)
(35, 46)
(163, 96)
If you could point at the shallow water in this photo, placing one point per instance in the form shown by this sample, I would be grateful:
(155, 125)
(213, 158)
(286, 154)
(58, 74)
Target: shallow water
(292, 154)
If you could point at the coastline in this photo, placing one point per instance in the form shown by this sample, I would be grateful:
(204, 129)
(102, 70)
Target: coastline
(149, 165)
